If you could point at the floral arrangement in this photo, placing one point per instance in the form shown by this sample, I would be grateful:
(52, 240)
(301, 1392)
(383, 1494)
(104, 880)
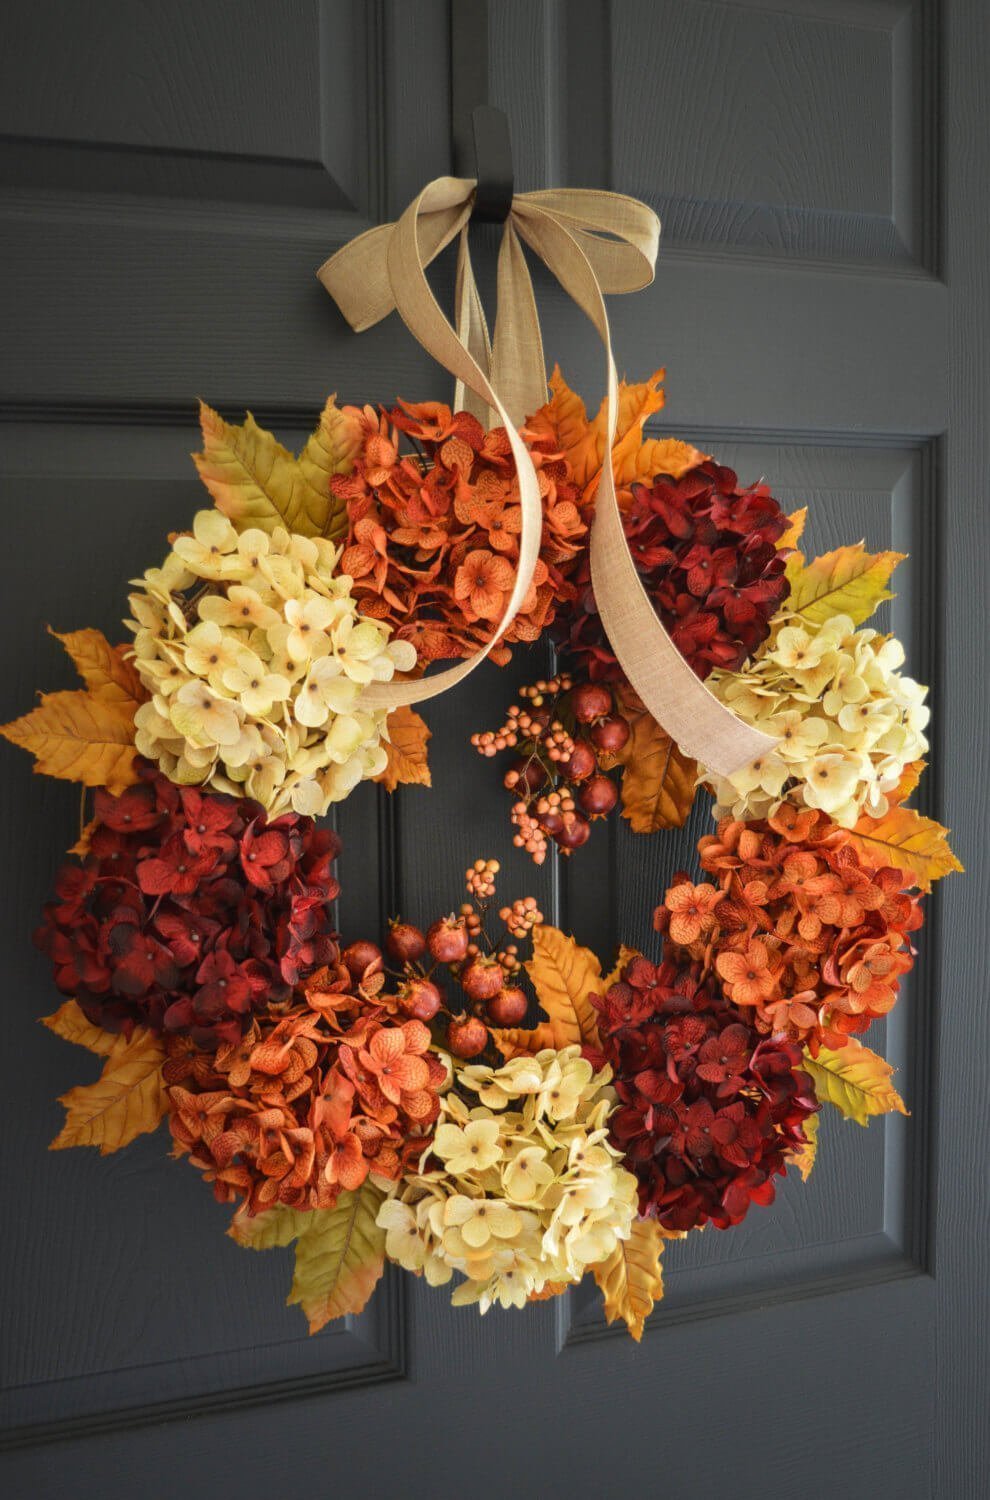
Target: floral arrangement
(498, 1107)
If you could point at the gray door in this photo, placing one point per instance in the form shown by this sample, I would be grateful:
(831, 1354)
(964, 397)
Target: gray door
(174, 172)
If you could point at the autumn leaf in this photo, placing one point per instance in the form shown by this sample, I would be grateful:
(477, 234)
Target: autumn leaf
(657, 456)
(855, 1080)
(908, 783)
(257, 482)
(71, 1024)
(78, 736)
(563, 976)
(903, 838)
(631, 1279)
(788, 542)
(406, 751)
(340, 1257)
(658, 782)
(626, 955)
(849, 581)
(126, 1101)
(804, 1157)
(103, 668)
(272, 1229)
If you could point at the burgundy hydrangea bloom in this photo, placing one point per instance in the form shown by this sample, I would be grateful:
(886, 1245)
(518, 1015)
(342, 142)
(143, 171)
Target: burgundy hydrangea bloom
(191, 912)
(708, 1109)
(706, 552)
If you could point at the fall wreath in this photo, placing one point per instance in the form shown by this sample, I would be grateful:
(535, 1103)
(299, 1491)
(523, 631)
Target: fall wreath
(435, 1097)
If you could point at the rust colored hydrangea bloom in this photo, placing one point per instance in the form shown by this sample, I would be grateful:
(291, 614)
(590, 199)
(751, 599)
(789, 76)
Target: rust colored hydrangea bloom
(706, 552)
(709, 1109)
(307, 1103)
(433, 541)
(806, 939)
(190, 912)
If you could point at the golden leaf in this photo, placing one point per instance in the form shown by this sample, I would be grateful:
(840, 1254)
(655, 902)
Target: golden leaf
(272, 1229)
(105, 670)
(626, 955)
(658, 456)
(257, 482)
(631, 1279)
(658, 782)
(339, 1257)
(126, 1101)
(903, 838)
(563, 975)
(855, 1080)
(79, 736)
(81, 846)
(849, 581)
(71, 1024)
(406, 751)
(552, 1289)
(908, 783)
(788, 542)
(804, 1157)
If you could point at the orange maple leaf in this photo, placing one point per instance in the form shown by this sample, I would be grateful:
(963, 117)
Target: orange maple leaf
(406, 751)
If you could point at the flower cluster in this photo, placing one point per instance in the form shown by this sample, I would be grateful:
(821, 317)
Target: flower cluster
(709, 1109)
(308, 1102)
(706, 552)
(434, 536)
(190, 912)
(255, 655)
(519, 1192)
(847, 721)
(809, 941)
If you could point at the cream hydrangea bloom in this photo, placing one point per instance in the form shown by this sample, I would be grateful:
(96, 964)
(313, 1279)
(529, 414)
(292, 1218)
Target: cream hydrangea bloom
(847, 721)
(518, 1191)
(255, 656)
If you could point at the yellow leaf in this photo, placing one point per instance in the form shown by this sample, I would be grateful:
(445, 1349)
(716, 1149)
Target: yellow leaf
(631, 1280)
(78, 736)
(81, 846)
(788, 542)
(339, 1257)
(849, 581)
(903, 838)
(908, 783)
(804, 1157)
(126, 1101)
(272, 1229)
(103, 668)
(257, 482)
(69, 1023)
(658, 783)
(563, 975)
(626, 955)
(855, 1080)
(657, 456)
(406, 751)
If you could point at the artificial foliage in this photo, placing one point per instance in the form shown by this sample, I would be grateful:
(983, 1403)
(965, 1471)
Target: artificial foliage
(480, 1100)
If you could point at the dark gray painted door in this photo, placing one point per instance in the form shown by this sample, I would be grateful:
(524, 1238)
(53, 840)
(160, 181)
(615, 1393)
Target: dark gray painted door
(173, 174)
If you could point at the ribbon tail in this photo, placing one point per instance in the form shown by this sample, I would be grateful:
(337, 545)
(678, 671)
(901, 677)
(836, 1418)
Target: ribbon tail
(472, 330)
(518, 368)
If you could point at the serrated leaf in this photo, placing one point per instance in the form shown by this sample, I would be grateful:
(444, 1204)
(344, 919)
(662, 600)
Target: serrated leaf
(855, 1080)
(631, 1280)
(406, 751)
(77, 736)
(804, 1157)
(103, 668)
(657, 456)
(272, 1229)
(339, 1257)
(658, 782)
(626, 955)
(511, 1041)
(126, 1101)
(257, 482)
(908, 783)
(563, 975)
(788, 542)
(849, 581)
(71, 1024)
(903, 838)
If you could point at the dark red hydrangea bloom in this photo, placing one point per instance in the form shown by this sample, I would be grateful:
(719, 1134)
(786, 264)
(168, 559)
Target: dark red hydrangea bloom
(708, 1109)
(706, 552)
(191, 912)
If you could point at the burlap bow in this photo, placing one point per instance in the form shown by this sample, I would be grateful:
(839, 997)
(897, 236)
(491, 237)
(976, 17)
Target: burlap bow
(593, 242)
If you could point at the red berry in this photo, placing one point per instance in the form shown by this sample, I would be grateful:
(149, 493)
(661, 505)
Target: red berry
(420, 999)
(508, 1008)
(582, 762)
(363, 959)
(591, 701)
(467, 1036)
(611, 734)
(482, 979)
(447, 940)
(575, 832)
(405, 944)
(598, 796)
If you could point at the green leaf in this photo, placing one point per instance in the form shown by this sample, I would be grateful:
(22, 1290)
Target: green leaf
(340, 1257)
(855, 1080)
(849, 581)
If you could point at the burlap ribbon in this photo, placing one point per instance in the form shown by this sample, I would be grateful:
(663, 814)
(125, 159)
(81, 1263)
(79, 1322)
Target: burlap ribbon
(593, 242)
